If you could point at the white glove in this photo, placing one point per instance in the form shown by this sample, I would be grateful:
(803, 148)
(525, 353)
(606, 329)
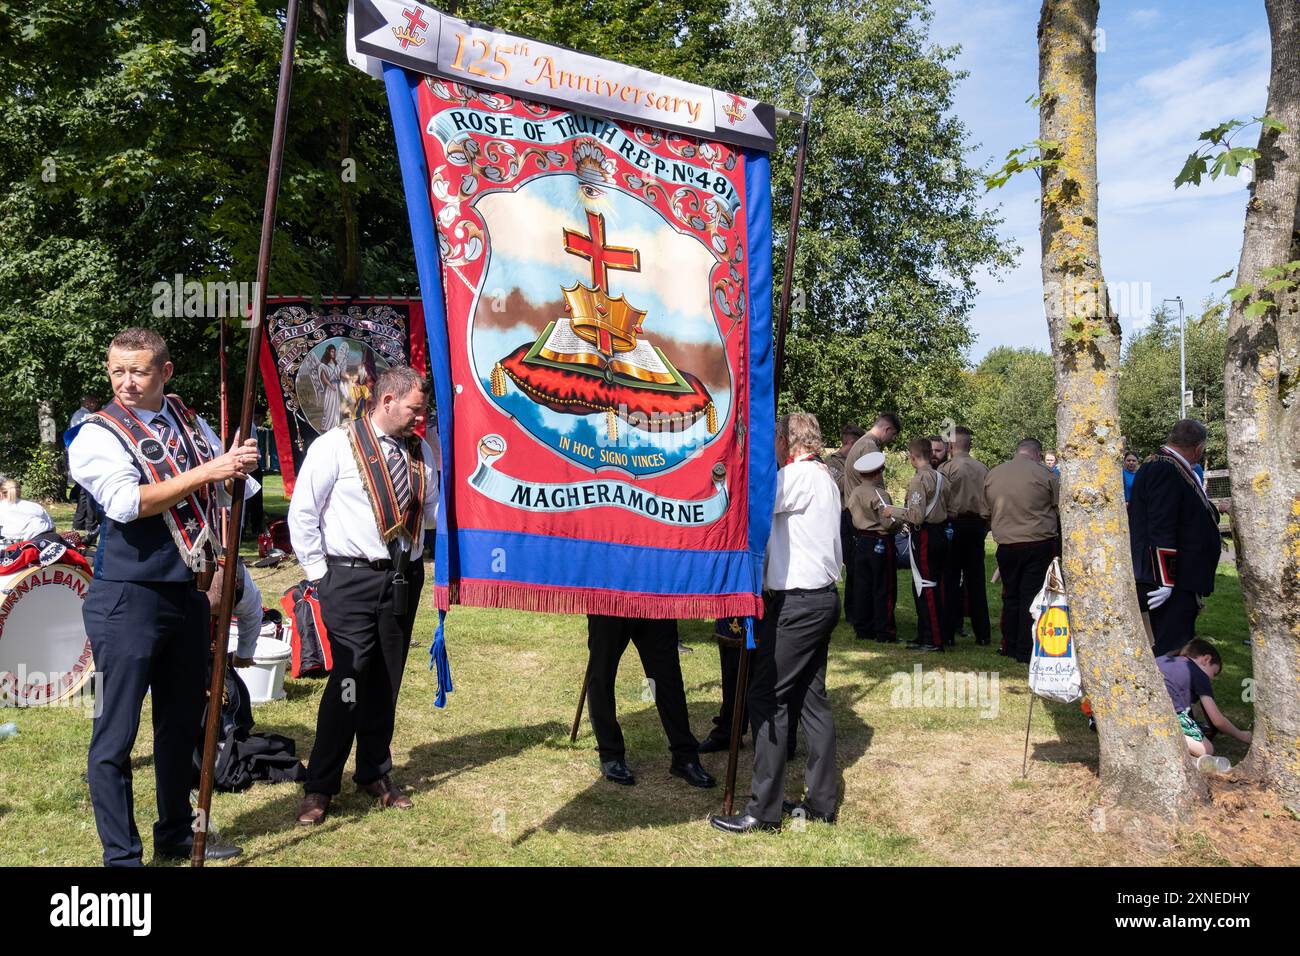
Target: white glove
(1158, 597)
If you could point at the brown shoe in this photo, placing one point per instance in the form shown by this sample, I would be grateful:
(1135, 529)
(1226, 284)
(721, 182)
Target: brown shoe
(389, 794)
(313, 809)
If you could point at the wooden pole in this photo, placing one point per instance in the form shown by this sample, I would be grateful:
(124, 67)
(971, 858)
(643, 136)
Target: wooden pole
(783, 325)
(1024, 770)
(224, 386)
(236, 515)
(582, 699)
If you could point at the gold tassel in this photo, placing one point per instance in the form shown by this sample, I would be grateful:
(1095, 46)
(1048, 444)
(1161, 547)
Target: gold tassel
(611, 424)
(712, 419)
(498, 380)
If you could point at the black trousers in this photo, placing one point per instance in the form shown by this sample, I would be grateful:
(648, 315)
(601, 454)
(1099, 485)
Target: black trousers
(369, 642)
(874, 586)
(1023, 568)
(656, 643)
(86, 516)
(930, 547)
(1174, 622)
(847, 535)
(789, 673)
(145, 637)
(965, 572)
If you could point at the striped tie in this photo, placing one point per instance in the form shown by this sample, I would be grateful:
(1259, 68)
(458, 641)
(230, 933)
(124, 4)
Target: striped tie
(171, 441)
(398, 472)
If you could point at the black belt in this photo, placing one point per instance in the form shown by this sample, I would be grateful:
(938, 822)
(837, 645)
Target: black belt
(383, 564)
(970, 516)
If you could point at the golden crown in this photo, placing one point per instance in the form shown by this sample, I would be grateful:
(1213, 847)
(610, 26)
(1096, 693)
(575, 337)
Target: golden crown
(593, 310)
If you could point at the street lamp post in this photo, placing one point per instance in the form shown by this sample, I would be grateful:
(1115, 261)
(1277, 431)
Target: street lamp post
(1182, 358)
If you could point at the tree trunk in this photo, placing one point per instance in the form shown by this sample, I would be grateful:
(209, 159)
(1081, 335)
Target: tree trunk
(49, 428)
(1144, 763)
(1260, 369)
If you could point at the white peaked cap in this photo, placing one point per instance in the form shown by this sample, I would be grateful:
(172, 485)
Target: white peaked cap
(871, 461)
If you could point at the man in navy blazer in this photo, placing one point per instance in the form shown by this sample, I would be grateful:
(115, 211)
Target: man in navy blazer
(1174, 532)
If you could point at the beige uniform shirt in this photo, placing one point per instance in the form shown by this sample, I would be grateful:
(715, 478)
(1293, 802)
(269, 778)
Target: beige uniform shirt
(965, 477)
(864, 445)
(865, 508)
(835, 465)
(920, 492)
(1020, 499)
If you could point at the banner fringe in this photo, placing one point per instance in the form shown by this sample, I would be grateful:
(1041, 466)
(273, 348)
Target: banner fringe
(555, 600)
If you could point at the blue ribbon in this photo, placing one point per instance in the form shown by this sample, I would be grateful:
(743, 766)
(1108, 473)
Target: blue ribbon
(438, 660)
(750, 643)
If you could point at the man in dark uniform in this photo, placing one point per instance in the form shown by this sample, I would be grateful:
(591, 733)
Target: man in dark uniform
(926, 512)
(964, 572)
(836, 463)
(1174, 533)
(1022, 497)
(656, 643)
(152, 467)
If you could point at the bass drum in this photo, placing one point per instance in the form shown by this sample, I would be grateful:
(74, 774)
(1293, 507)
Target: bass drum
(45, 655)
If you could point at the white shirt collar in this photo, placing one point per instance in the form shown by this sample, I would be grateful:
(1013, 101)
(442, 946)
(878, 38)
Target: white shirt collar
(1185, 462)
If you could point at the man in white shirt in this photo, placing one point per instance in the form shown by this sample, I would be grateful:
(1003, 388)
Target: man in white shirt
(21, 520)
(85, 519)
(365, 494)
(802, 606)
(156, 470)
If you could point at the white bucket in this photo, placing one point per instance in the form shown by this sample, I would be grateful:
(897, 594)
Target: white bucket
(265, 679)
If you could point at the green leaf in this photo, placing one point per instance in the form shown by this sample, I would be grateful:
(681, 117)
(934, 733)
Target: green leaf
(1193, 169)
(1257, 308)
(1240, 292)
(1220, 278)
(1269, 123)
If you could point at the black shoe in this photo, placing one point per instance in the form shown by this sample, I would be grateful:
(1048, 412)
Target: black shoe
(212, 850)
(693, 773)
(740, 823)
(928, 648)
(713, 745)
(616, 771)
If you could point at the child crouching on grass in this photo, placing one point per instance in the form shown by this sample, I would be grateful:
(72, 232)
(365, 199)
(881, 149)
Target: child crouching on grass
(1188, 675)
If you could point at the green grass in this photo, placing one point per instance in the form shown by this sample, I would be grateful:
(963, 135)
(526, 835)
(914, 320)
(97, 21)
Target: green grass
(496, 781)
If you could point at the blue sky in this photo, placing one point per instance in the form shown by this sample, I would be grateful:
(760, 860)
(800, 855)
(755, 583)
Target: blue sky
(1167, 69)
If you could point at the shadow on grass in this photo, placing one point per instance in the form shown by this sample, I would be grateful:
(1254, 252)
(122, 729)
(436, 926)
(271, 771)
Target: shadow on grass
(660, 800)
(430, 765)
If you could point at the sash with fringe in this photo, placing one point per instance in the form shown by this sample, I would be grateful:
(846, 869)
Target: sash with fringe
(372, 464)
(189, 520)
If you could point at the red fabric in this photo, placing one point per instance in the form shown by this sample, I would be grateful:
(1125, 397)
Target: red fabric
(560, 600)
(29, 553)
(571, 392)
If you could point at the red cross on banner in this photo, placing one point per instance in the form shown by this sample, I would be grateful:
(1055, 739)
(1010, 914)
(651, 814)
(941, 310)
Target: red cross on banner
(602, 257)
(415, 22)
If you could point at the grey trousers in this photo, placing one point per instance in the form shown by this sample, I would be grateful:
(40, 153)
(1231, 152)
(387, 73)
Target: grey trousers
(789, 666)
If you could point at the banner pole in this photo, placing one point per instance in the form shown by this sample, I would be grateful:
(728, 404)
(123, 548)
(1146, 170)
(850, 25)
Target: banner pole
(224, 387)
(582, 699)
(236, 515)
(1024, 770)
(783, 325)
